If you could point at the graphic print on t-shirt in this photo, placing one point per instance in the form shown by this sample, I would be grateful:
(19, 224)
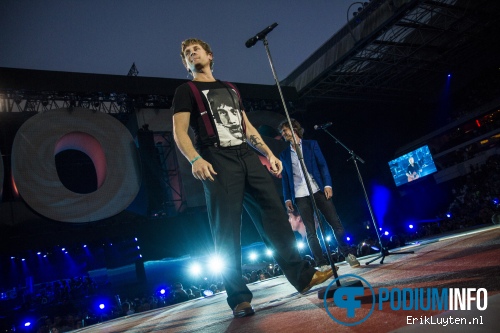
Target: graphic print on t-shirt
(225, 110)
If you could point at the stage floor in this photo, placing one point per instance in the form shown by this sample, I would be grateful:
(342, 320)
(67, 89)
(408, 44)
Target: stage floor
(463, 260)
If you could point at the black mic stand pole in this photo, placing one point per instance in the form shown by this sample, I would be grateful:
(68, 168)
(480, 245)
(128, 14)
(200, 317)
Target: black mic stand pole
(304, 169)
(355, 158)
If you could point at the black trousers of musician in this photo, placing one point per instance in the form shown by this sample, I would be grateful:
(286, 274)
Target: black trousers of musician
(327, 208)
(242, 181)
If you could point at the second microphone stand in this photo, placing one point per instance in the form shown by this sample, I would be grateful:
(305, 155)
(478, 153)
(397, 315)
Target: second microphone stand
(384, 252)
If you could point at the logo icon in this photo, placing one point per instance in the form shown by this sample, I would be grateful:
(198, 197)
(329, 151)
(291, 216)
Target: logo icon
(344, 298)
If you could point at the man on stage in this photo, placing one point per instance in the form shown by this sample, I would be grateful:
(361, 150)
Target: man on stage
(233, 176)
(295, 191)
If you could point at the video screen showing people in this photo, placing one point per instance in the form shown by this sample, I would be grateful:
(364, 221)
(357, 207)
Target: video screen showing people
(412, 166)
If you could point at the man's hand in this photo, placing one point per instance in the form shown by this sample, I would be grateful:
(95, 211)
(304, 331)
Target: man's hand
(289, 206)
(276, 166)
(328, 192)
(203, 170)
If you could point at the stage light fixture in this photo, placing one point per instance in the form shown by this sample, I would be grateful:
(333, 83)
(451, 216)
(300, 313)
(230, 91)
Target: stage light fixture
(253, 256)
(300, 245)
(216, 264)
(269, 253)
(328, 238)
(410, 226)
(386, 233)
(348, 239)
(102, 306)
(195, 269)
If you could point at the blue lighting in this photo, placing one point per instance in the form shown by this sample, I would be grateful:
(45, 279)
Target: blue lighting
(39, 253)
(410, 226)
(102, 306)
(448, 215)
(27, 324)
(85, 245)
(386, 233)
(135, 239)
(162, 291)
(449, 75)
(348, 239)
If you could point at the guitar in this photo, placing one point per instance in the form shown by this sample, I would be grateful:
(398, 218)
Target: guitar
(412, 176)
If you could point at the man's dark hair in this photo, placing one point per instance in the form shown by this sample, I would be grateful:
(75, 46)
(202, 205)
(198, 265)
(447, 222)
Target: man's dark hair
(295, 124)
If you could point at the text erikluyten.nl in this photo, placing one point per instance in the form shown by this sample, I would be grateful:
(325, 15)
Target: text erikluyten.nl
(443, 321)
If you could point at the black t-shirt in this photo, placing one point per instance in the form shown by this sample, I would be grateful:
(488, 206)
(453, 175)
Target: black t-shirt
(224, 109)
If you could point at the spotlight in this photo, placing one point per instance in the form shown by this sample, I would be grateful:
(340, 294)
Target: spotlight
(269, 253)
(448, 215)
(27, 324)
(410, 226)
(300, 245)
(162, 291)
(328, 238)
(102, 306)
(195, 269)
(348, 239)
(386, 233)
(216, 264)
(208, 292)
(253, 256)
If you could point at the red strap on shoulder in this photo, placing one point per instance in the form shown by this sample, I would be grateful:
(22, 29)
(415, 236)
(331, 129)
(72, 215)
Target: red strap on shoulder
(202, 109)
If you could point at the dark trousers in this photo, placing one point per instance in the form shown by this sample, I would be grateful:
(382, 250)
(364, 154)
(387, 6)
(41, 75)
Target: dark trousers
(242, 181)
(327, 208)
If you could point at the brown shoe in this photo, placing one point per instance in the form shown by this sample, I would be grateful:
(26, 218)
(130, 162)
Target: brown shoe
(318, 278)
(243, 309)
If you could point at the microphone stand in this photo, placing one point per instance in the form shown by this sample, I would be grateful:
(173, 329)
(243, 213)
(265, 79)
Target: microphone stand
(302, 164)
(355, 158)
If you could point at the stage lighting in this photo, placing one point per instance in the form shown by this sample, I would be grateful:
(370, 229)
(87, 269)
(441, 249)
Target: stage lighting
(162, 291)
(253, 256)
(448, 215)
(216, 264)
(386, 233)
(328, 238)
(269, 253)
(195, 269)
(208, 292)
(300, 245)
(410, 226)
(102, 306)
(39, 253)
(27, 324)
(348, 239)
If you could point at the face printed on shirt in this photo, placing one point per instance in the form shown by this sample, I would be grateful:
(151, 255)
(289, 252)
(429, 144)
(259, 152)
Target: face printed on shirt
(224, 106)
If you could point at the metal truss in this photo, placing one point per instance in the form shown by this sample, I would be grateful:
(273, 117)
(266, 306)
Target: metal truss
(23, 101)
(402, 59)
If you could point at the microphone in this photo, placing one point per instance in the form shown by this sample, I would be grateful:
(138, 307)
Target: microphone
(323, 126)
(251, 42)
